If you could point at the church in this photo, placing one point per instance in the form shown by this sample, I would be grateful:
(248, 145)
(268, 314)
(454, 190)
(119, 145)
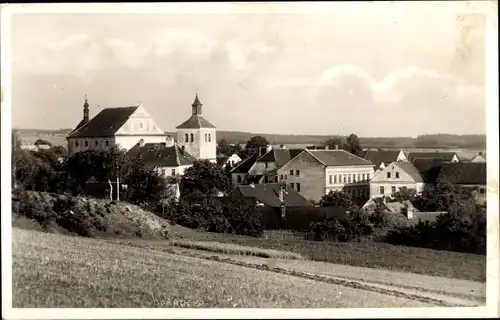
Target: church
(127, 127)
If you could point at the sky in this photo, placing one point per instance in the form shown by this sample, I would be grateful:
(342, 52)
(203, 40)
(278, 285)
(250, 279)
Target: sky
(374, 69)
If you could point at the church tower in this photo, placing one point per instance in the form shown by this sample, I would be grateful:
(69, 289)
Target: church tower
(197, 135)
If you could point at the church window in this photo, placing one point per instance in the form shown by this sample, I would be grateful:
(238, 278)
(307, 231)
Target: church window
(192, 137)
(186, 138)
(209, 137)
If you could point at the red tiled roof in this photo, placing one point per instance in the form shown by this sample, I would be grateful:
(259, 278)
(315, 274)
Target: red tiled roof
(268, 194)
(464, 173)
(106, 123)
(338, 158)
(158, 154)
(195, 122)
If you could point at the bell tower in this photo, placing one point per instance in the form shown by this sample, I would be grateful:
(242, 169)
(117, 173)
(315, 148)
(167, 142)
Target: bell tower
(197, 135)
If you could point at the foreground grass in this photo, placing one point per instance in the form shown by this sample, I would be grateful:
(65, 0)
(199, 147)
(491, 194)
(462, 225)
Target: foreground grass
(51, 270)
(362, 254)
(228, 248)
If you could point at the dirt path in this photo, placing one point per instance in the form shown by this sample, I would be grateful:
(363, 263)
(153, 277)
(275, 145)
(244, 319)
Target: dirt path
(430, 289)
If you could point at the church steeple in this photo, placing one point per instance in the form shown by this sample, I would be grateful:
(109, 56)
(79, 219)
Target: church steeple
(196, 106)
(86, 110)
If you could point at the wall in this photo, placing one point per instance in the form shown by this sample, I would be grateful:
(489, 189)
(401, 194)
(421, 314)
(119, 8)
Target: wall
(479, 193)
(234, 178)
(167, 171)
(102, 144)
(208, 148)
(259, 168)
(311, 175)
(127, 142)
(350, 179)
(380, 179)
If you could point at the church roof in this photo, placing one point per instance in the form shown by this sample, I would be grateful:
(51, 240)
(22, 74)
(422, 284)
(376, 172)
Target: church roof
(106, 123)
(195, 122)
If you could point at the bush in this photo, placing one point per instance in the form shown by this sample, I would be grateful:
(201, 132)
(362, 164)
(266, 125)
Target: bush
(329, 228)
(449, 232)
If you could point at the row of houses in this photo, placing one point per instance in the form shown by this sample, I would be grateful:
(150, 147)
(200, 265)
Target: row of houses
(308, 173)
(314, 172)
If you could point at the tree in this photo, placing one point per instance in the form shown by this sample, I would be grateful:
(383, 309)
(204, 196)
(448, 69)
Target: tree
(237, 148)
(336, 142)
(405, 194)
(223, 148)
(204, 178)
(253, 145)
(42, 142)
(337, 198)
(352, 144)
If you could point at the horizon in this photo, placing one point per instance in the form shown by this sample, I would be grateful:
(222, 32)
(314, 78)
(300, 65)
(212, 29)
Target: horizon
(364, 68)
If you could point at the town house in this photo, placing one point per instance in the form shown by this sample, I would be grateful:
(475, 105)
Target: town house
(471, 175)
(265, 168)
(314, 173)
(395, 176)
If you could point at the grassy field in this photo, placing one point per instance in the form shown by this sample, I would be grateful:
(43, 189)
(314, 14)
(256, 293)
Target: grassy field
(363, 254)
(51, 270)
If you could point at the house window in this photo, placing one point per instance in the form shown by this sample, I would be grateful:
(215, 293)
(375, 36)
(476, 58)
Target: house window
(388, 175)
(359, 177)
(292, 185)
(173, 172)
(163, 172)
(266, 179)
(206, 137)
(297, 173)
(335, 179)
(286, 177)
(381, 190)
(482, 190)
(76, 144)
(238, 179)
(186, 138)
(265, 164)
(354, 178)
(331, 179)
(298, 187)
(344, 178)
(192, 137)
(96, 143)
(364, 177)
(291, 172)
(393, 189)
(275, 178)
(281, 177)
(107, 143)
(348, 178)
(209, 137)
(397, 175)
(86, 143)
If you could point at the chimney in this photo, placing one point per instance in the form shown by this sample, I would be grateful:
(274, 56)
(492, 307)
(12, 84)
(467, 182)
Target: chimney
(282, 203)
(141, 143)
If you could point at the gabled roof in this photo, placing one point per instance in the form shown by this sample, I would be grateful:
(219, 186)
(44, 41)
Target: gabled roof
(409, 168)
(464, 173)
(378, 157)
(106, 123)
(428, 168)
(338, 158)
(269, 195)
(195, 122)
(244, 165)
(158, 154)
(280, 156)
(446, 156)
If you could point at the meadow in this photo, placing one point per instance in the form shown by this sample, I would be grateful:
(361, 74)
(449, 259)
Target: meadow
(53, 270)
